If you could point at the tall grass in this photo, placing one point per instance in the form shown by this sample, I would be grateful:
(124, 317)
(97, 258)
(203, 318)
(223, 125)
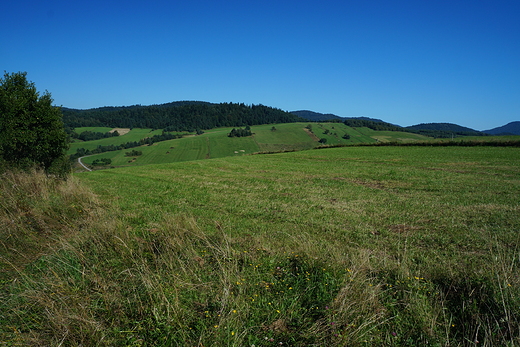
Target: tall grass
(338, 247)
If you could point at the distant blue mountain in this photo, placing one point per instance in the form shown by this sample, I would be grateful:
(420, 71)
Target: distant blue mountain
(512, 128)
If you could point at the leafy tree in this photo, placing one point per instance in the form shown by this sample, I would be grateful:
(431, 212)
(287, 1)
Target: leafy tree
(346, 136)
(31, 129)
(323, 140)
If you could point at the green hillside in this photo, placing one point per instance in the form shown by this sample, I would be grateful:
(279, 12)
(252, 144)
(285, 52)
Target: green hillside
(215, 143)
(133, 135)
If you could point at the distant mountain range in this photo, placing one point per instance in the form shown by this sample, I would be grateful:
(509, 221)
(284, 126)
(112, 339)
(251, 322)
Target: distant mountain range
(512, 128)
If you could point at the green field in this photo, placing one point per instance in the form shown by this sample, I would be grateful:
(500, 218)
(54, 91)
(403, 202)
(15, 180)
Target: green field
(216, 144)
(350, 246)
(133, 135)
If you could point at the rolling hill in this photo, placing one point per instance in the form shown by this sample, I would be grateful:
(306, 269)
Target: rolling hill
(512, 128)
(215, 143)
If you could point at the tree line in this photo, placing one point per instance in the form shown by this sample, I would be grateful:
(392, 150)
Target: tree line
(91, 135)
(240, 132)
(189, 116)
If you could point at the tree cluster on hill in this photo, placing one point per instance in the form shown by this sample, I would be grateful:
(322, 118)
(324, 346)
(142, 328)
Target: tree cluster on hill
(381, 126)
(102, 162)
(240, 132)
(188, 116)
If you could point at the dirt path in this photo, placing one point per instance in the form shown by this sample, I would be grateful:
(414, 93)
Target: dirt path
(311, 134)
(80, 163)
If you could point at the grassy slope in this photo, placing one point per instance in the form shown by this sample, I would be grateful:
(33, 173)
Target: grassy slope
(133, 135)
(215, 143)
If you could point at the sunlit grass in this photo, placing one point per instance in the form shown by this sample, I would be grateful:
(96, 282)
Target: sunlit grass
(333, 247)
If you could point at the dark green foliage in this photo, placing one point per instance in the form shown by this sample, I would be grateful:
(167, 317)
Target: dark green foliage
(91, 136)
(374, 125)
(240, 132)
(346, 136)
(181, 116)
(133, 153)
(316, 116)
(323, 140)
(442, 130)
(102, 162)
(31, 129)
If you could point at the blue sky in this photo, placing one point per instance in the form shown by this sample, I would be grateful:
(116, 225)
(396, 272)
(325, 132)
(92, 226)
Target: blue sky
(406, 62)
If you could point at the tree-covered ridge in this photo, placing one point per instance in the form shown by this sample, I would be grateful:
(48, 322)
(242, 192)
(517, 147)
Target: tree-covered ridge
(442, 130)
(375, 125)
(437, 130)
(512, 128)
(178, 116)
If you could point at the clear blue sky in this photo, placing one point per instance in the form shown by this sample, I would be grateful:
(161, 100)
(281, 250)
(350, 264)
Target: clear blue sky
(406, 62)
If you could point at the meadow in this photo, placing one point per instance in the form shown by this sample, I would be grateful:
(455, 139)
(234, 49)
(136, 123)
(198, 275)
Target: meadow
(351, 246)
(132, 135)
(216, 144)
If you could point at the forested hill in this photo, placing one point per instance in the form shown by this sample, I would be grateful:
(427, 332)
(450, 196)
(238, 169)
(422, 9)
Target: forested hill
(510, 128)
(315, 116)
(178, 116)
(437, 129)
